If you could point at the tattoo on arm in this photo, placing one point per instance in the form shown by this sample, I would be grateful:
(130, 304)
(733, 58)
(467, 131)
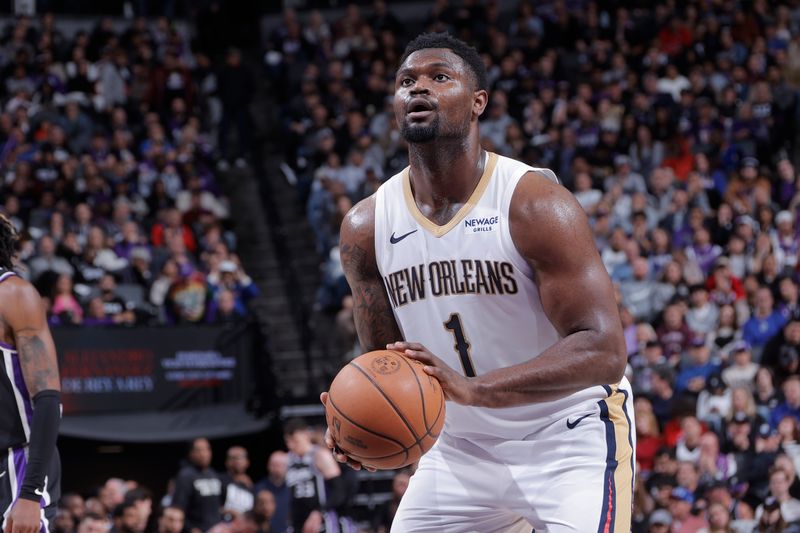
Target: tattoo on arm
(375, 322)
(38, 366)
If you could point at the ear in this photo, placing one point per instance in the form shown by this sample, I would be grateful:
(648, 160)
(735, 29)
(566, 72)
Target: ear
(479, 102)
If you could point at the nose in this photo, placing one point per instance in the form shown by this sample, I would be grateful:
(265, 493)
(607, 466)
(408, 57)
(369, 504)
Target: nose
(420, 86)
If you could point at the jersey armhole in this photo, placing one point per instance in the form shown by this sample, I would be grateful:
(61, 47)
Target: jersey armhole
(6, 275)
(507, 241)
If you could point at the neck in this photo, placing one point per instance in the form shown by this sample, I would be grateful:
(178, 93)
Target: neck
(445, 171)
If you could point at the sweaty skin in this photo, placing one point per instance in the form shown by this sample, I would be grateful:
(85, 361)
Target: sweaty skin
(574, 287)
(23, 324)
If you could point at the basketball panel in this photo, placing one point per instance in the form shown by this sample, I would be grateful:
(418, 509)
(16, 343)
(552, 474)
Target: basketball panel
(362, 401)
(358, 441)
(396, 376)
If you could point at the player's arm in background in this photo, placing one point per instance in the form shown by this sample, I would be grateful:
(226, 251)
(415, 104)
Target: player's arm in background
(24, 319)
(375, 323)
(551, 230)
(335, 489)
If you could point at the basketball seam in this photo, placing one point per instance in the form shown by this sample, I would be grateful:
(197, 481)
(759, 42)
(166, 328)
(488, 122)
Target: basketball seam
(422, 401)
(421, 394)
(353, 422)
(389, 400)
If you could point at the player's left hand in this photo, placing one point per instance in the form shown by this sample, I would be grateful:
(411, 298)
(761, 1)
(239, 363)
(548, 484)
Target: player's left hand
(25, 517)
(456, 386)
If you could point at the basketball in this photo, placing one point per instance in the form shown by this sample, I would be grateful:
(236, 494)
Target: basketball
(384, 411)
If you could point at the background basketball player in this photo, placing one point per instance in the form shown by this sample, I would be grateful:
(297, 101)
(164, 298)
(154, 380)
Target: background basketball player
(30, 401)
(512, 298)
(316, 485)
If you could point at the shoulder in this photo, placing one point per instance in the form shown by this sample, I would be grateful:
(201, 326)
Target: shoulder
(357, 240)
(361, 217)
(539, 194)
(14, 288)
(541, 203)
(186, 473)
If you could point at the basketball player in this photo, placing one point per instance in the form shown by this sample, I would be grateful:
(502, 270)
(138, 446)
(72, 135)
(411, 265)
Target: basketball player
(487, 268)
(30, 401)
(316, 487)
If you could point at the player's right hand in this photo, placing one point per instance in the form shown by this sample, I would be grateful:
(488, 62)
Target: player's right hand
(25, 517)
(338, 454)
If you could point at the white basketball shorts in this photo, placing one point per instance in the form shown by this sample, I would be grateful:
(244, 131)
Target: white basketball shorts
(573, 475)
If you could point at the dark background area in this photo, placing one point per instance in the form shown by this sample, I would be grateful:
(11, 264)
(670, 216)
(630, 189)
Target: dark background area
(86, 463)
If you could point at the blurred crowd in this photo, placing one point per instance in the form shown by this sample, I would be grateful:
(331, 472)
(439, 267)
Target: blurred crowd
(675, 124)
(109, 144)
(303, 490)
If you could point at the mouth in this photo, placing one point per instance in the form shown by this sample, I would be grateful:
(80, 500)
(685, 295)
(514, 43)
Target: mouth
(419, 108)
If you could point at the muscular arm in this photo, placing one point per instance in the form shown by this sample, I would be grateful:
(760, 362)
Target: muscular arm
(24, 317)
(551, 231)
(24, 320)
(375, 322)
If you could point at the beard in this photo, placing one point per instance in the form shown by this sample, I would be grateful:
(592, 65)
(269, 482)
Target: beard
(420, 133)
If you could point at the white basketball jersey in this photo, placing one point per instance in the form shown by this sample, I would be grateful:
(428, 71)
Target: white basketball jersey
(465, 292)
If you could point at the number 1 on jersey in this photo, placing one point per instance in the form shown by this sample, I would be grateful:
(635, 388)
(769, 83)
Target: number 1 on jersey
(462, 346)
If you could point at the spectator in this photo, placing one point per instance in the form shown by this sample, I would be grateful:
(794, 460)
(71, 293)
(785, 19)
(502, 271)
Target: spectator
(171, 520)
(93, 523)
(659, 522)
(726, 330)
(648, 440)
(275, 482)
(695, 373)
(674, 334)
(688, 445)
(113, 305)
(65, 304)
(130, 520)
(766, 395)
(233, 279)
(743, 370)
(663, 393)
(222, 310)
(765, 321)
(779, 491)
(47, 260)
(239, 496)
(235, 87)
(96, 314)
(714, 403)
(680, 507)
(719, 520)
(702, 316)
(790, 406)
(385, 515)
(75, 505)
(199, 489)
(264, 511)
(714, 466)
(640, 294)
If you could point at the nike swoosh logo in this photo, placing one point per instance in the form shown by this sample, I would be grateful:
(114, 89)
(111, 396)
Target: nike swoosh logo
(574, 423)
(3, 474)
(395, 240)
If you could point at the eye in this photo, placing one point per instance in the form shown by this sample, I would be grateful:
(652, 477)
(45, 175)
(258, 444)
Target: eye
(406, 82)
(441, 77)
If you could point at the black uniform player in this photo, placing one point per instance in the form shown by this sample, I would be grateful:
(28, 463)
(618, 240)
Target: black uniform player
(30, 401)
(316, 486)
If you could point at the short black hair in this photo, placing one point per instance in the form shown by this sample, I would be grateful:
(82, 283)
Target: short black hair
(8, 243)
(467, 53)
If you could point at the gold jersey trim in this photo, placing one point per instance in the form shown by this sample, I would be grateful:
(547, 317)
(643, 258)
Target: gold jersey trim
(430, 226)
